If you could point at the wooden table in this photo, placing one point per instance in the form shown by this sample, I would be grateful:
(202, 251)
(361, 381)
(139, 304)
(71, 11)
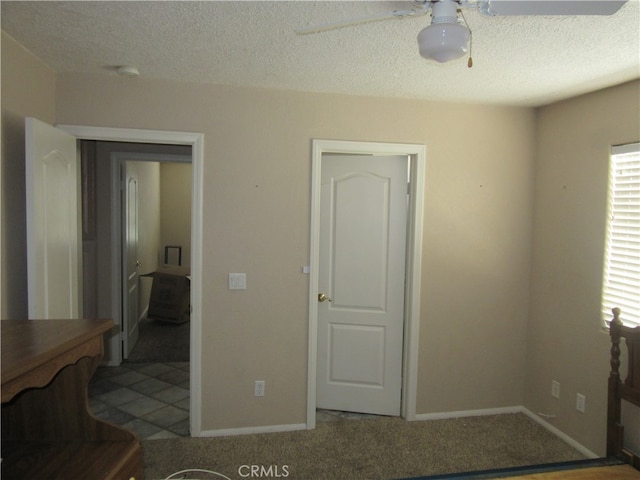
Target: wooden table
(48, 431)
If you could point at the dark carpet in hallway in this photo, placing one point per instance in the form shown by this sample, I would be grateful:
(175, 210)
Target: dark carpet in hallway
(160, 341)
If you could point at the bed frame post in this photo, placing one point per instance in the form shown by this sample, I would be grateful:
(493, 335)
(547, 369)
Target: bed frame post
(615, 431)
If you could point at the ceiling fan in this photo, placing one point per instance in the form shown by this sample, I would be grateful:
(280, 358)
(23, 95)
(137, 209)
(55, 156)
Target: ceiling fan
(449, 37)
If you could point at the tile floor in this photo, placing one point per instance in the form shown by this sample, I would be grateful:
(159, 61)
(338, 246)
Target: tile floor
(151, 399)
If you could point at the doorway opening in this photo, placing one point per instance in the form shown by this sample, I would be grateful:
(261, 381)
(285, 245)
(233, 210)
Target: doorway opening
(196, 142)
(155, 233)
(146, 208)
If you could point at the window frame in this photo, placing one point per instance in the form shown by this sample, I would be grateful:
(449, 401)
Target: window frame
(615, 238)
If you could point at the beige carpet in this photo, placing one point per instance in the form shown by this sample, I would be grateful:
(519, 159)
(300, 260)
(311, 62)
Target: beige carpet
(378, 448)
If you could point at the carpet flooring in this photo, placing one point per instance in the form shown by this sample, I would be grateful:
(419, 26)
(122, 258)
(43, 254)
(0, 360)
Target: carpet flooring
(368, 449)
(160, 341)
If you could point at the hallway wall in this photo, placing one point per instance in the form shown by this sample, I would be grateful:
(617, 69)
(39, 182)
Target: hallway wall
(175, 185)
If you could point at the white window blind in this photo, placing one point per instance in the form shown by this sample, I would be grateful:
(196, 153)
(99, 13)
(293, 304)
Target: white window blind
(621, 285)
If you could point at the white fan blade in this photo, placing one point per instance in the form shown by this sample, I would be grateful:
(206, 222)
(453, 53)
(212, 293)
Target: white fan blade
(362, 20)
(550, 7)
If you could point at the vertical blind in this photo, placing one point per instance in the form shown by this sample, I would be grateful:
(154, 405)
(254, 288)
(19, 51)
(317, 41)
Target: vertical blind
(621, 285)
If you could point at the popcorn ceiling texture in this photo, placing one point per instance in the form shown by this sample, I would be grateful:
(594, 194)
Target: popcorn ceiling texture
(521, 60)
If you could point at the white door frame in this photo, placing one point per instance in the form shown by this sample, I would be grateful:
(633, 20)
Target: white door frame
(196, 141)
(417, 157)
(118, 159)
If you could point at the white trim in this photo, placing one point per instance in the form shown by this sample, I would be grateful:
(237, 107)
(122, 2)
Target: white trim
(559, 433)
(469, 413)
(417, 155)
(414, 278)
(116, 265)
(226, 432)
(196, 140)
(125, 156)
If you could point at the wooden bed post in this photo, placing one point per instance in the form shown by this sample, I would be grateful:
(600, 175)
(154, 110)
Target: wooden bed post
(615, 431)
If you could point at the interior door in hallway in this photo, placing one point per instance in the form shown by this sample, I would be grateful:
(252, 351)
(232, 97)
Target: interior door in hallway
(53, 222)
(131, 264)
(363, 228)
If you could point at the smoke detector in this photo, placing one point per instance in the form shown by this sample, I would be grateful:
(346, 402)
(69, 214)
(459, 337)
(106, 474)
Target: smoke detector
(127, 71)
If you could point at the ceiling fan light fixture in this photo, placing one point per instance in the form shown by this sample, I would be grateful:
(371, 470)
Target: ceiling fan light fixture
(443, 42)
(445, 39)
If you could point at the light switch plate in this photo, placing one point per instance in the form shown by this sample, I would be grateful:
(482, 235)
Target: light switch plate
(237, 281)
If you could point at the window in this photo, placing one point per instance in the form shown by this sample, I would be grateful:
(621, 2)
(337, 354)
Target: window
(621, 285)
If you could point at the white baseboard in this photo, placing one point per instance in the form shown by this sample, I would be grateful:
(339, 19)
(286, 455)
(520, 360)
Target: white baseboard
(468, 413)
(559, 433)
(225, 432)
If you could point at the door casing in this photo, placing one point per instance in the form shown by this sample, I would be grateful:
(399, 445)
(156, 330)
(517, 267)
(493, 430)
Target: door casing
(196, 141)
(130, 265)
(417, 158)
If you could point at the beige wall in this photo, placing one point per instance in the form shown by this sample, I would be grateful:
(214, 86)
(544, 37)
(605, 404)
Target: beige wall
(565, 338)
(28, 90)
(175, 199)
(256, 220)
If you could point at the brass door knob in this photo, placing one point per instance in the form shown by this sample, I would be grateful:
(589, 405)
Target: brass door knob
(323, 298)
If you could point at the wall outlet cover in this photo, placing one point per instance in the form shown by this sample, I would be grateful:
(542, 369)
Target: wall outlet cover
(237, 281)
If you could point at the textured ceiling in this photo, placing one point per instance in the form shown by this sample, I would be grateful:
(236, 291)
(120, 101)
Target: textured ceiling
(522, 60)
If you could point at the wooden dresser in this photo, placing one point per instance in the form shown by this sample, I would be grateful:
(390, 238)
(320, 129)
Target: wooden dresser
(48, 431)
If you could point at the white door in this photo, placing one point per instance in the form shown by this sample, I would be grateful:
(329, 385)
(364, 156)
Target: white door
(363, 227)
(131, 265)
(53, 222)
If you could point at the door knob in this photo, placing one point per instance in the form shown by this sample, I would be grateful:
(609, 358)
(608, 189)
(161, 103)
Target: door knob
(323, 298)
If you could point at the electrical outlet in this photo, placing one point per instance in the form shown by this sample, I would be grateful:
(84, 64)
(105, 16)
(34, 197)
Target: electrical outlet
(555, 389)
(581, 402)
(258, 389)
(237, 281)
